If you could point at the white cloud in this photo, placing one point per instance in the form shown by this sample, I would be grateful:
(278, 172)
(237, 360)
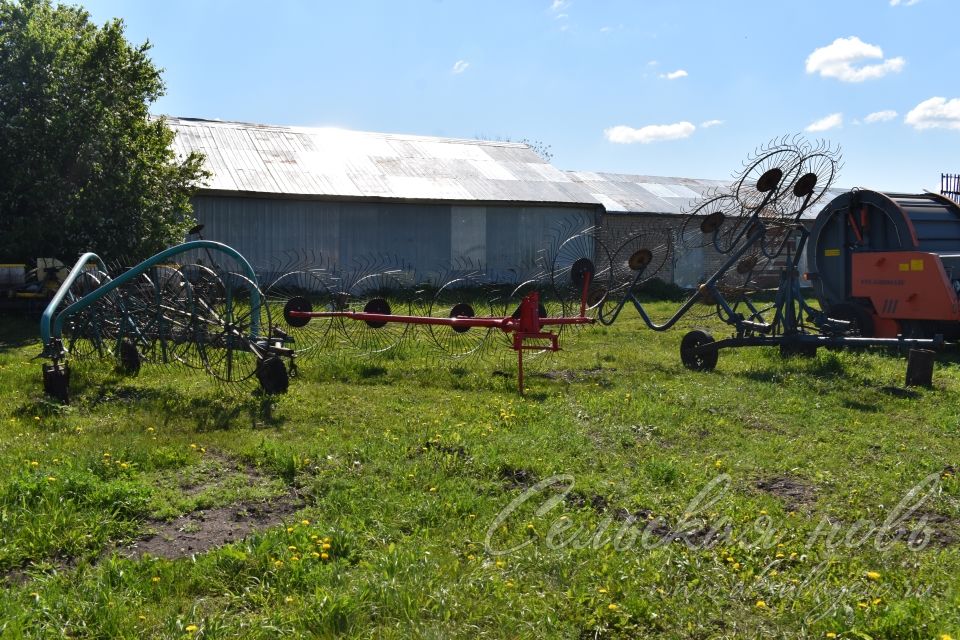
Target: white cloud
(880, 116)
(622, 134)
(559, 5)
(561, 16)
(837, 60)
(710, 123)
(673, 75)
(832, 121)
(460, 66)
(935, 113)
(908, 3)
(652, 63)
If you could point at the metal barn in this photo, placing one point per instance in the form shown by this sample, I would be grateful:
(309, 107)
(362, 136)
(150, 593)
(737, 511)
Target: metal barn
(347, 195)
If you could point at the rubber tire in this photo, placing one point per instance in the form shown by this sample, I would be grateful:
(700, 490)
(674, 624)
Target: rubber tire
(704, 361)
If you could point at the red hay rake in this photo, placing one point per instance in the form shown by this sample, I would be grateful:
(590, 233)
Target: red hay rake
(526, 325)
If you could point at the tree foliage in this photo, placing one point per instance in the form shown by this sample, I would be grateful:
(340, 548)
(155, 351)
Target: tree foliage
(83, 166)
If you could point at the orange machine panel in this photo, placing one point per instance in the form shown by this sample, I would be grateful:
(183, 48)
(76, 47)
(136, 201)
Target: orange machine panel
(905, 285)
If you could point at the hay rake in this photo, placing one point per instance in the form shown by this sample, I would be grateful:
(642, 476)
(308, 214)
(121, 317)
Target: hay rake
(756, 225)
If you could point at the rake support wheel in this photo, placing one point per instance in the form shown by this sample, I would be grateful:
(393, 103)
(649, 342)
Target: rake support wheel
(693, 356)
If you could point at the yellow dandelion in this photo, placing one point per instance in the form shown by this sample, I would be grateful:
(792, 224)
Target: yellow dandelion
(124, 465)
(106, 454)
(150, 429)
(433, 489)
(761, 604)
(326, 539)
(613, 607)
(37, 418)
(315, 554)
(294, 558)
(34, 464)
(278, 563)
(601, 590)
(51, 479)
(736, 566)
(305, 523)
(193, 446)
(763, 512)
(877, 601)
(324, 556)
(779, 555)
(945, 636)
(142, 618)
(288, 599)
(191, 628)
(873, 575)
(291, 548)
(718, 464)
(289, 529)
(325, 546)
(155, 579)
(509, 584)
(831, 634)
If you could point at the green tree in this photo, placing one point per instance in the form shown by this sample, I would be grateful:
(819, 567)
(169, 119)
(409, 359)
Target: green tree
(83, 165)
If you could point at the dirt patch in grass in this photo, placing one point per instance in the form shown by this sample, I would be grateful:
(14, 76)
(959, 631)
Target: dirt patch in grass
(516, 478)
(794, 492)
(929, 528)
(203, 530)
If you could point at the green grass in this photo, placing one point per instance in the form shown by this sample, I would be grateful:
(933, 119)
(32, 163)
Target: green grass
(404, 465)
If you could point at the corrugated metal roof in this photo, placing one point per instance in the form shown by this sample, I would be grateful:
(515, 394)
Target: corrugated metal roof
(337, 163)
(629, 193)
(334, 163)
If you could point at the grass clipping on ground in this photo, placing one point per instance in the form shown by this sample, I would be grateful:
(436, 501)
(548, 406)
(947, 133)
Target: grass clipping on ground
(623, 496)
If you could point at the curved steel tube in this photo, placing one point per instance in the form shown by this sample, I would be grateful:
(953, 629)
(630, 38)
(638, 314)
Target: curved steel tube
(48, 332)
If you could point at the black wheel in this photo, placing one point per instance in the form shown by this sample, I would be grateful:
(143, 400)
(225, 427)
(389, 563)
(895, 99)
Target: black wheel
(695, 358)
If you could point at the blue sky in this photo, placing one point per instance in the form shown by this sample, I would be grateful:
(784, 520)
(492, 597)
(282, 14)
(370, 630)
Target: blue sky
(659, 87)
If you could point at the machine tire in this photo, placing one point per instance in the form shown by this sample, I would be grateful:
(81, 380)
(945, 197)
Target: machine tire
(855, 313)
(703, 361)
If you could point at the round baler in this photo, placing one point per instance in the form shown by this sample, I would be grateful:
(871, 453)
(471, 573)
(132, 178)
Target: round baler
(889, 263)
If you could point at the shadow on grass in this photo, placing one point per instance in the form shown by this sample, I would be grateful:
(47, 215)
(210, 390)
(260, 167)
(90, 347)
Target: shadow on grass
(210, 410)
(17, 333)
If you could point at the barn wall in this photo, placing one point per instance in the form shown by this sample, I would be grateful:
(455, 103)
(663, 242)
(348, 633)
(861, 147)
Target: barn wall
(430, 237)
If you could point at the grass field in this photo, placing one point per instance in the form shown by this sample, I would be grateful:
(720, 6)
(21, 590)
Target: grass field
(799, 498)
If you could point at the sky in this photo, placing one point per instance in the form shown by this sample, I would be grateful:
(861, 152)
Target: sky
(654, 87)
